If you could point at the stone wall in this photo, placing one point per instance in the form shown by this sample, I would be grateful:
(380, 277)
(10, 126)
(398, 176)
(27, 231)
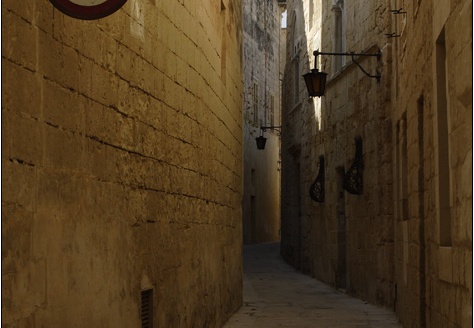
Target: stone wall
(347, 240)
(293, 134)
(122, 164)
(406, 241)
(261, 107)
(433, 172)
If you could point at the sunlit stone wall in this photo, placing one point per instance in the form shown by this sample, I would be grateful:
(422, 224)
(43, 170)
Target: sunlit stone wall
(121, 164)
(432, 136)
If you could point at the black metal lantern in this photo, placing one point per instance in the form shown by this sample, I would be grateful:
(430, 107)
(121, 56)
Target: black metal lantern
(315, 82)
(261, 142)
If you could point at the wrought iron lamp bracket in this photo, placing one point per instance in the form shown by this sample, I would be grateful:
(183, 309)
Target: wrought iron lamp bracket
(265, 128)
(352, 54)
(398, 11)
(392, 35)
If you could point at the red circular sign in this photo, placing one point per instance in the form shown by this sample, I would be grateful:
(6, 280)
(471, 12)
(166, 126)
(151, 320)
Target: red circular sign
(88, 9)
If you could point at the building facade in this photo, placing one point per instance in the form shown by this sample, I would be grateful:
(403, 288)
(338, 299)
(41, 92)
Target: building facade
(122, 165)
(432, 150)
(375, 174)
(261, 107)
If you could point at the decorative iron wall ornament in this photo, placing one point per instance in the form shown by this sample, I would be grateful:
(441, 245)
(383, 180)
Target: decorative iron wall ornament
(353, 178)
(316, 191)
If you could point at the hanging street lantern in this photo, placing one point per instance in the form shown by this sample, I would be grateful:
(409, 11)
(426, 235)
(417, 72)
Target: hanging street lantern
(261, 141)
(315, 82)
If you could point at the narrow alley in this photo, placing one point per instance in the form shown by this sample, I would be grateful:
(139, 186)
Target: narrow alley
(276, 295)
(236, 163)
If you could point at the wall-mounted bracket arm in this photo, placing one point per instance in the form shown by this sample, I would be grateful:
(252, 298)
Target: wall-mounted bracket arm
(265, 128)
(352, 54)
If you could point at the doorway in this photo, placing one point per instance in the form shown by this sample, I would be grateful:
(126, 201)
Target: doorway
(341, 270)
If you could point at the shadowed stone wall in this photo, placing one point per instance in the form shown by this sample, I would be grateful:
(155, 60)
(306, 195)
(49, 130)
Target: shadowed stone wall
(261, 107)
(405, 241)
(346, 240)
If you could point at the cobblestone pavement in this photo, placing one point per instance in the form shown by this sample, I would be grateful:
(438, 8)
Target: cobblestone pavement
(276, 295)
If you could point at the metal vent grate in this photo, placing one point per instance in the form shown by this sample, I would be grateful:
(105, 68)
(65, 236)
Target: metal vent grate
(147, 308)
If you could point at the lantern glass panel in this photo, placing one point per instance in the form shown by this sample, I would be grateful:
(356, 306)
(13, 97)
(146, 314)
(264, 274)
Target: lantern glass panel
(315, 83)
(261, 142)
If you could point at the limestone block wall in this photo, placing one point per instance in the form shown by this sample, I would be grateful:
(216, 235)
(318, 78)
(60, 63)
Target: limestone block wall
(406, 241)
(121, 164)
(293, 134)
(432, 128)
(347, 240)
(261, 107)
(355, 244)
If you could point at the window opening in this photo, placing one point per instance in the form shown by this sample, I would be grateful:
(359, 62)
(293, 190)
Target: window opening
(339, 35)
(404, 169)
(255, 103)
(223, 45)
(444, 179)
(272, 110)
(296, 68)
(297, 35)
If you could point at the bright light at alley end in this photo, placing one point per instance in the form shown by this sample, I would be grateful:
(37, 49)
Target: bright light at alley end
(315, 83)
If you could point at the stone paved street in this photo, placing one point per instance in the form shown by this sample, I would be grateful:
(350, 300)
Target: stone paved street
(276, 295)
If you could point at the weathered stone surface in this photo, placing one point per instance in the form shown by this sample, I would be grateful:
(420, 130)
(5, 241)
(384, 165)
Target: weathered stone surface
(122, 164)
(390, 235)
(351, 107)
(433, 293)
(261, 53)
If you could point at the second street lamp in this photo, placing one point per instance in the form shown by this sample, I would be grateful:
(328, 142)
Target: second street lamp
(261, 141)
